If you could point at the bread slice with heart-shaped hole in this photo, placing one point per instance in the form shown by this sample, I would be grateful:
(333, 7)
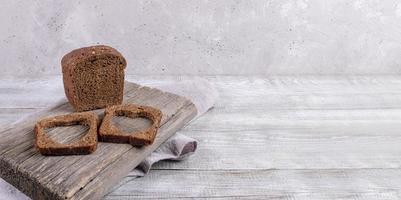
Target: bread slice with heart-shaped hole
(108, 132)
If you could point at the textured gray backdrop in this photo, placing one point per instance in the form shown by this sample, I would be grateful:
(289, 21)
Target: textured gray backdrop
(230, 37)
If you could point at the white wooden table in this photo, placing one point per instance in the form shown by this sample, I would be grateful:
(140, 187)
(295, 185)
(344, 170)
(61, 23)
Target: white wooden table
(268, 137)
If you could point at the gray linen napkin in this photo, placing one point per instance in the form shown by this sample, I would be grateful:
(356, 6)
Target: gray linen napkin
(178, 147)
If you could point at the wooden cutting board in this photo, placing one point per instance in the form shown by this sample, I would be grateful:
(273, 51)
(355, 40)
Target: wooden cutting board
(86, 176)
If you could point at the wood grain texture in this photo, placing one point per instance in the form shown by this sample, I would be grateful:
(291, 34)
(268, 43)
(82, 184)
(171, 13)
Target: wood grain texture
(62, 177)
(272, 138)
(299, 123)
(264, 184)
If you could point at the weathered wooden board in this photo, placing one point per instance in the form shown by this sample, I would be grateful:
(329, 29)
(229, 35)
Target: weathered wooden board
(89, 176)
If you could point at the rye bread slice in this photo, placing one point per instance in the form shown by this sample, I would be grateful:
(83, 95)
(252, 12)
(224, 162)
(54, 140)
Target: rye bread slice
(108, 132)
(93, 77)
(86, 145)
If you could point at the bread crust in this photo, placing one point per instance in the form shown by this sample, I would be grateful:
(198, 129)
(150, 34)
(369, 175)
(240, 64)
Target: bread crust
(88, 54)
(110, 133)
(86, 145)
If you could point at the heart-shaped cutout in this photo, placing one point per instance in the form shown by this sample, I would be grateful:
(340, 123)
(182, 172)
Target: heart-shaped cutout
(131, 125)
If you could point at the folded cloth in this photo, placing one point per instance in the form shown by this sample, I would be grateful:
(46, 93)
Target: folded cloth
(177, 147)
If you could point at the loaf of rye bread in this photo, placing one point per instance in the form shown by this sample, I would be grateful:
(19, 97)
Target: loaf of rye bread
(108, 132)
(93, 77)
(86, 145)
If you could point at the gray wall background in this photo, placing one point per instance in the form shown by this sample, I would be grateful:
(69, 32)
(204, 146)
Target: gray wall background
(227, 37)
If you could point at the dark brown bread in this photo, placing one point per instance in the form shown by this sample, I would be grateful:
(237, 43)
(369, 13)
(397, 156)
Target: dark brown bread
(86, 145)
(110, 133)
(93, 77)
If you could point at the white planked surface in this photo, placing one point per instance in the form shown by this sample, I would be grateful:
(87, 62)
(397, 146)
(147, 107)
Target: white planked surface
(269, 137)
(265, 184)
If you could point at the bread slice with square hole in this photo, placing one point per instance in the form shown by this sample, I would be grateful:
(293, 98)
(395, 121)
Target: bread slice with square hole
(85, 145)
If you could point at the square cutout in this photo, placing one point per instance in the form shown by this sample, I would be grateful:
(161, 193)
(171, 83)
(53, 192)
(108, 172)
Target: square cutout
(85, 145)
